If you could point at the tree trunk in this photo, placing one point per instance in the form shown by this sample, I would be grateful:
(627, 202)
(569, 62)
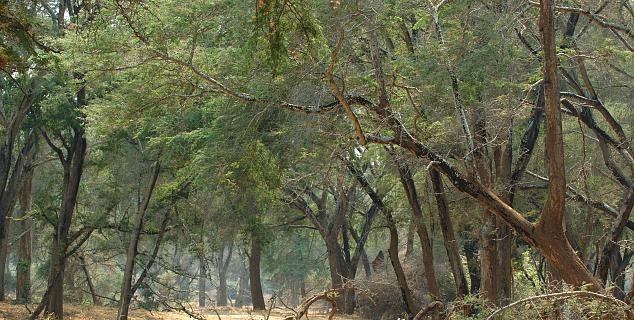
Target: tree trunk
(8, 200)
(243, 284)
(223, 266)
(451, 244)
(91, 286)
(406, 293)
(409, 245)
(23, 268)
(254, 275)
(11, 171)
(202, 285)
(417, 216)
(4, 246)
(73, 169)
(221, 293)
(470, 247)
(366, 264)
(488, 258)
(611, 244)
(126, 284)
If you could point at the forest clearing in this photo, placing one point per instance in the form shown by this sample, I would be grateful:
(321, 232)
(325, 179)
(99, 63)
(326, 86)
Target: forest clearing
(316, 159)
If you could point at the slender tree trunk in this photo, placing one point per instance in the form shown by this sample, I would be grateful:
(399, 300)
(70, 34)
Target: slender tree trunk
(473, 265)
(406, 293)
(91, 286)
(4, 249)
(126, 284)
(23, 268)
(366, 264)
(451, 244)
(254, 275)
(611, 244)
(202, 285)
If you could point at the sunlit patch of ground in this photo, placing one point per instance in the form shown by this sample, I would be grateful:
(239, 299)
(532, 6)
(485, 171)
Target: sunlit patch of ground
(74, 312)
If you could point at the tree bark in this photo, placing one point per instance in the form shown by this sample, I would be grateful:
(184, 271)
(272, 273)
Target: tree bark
(223, 266)
(23, 268)
(254, 275)
(131, 253)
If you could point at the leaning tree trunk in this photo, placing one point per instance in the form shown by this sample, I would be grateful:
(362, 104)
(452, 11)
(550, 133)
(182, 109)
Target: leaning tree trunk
(91, 286)
(406, 293)
(417, 216)
(254, 275)
(451, 244)
(126, 284)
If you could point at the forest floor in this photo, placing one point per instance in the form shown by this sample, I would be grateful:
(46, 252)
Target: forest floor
(77, 312)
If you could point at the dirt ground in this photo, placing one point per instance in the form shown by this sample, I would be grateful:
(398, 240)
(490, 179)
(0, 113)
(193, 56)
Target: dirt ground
(74, 312)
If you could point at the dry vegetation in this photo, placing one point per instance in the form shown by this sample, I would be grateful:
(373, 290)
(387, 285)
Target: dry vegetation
(75, 312)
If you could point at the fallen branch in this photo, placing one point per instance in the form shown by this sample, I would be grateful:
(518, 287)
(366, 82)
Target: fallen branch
(329, 295)
(435, 305)
(566, 295)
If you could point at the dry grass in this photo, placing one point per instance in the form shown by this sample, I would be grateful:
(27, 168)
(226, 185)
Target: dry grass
(75, 312)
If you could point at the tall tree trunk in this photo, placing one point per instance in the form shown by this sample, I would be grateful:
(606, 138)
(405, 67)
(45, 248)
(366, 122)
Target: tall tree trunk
(254, 275)
(23, 268)
(73, 169)
(451, 244)
(8, 200)
(10, 170)
(417, 216)
(126, 284)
